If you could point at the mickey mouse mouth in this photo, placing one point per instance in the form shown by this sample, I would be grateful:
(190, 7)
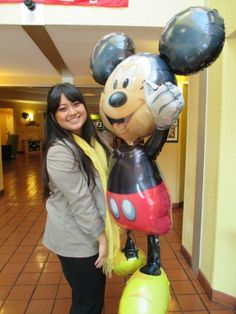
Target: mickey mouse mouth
(112, 121)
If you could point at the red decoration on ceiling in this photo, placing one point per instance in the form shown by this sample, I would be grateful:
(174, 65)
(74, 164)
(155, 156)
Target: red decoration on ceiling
(95, 3)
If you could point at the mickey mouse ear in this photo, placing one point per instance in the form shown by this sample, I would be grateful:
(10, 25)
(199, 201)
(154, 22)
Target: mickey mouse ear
(108, 53)
(192, 40)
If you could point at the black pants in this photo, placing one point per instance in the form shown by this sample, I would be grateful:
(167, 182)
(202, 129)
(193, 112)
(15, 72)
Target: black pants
(87, 283)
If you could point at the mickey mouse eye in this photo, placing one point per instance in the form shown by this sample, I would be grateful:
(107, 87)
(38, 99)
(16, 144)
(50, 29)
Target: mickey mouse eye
(129, 76)
(115, 84)
(125, 83)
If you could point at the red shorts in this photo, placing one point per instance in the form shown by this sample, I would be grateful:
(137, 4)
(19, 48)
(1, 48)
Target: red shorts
(148, 211)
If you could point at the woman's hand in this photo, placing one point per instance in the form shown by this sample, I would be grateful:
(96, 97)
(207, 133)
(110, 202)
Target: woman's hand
(102, 250)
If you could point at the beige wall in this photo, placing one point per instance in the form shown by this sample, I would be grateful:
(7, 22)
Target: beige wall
(218, 256)
(28, 132)
(6, 123)
(191, 161)
(218, 232)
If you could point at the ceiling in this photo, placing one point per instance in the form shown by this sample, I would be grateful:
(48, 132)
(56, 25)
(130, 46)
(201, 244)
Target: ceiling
(33, 58)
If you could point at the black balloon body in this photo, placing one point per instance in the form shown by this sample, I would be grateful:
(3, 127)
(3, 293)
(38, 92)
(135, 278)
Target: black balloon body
(137, 196)
(192, 40)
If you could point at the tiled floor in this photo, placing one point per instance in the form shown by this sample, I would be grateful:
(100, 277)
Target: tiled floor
(31, 281)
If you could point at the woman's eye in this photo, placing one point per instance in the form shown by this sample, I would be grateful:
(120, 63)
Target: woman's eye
(62, 109)
(76, 104)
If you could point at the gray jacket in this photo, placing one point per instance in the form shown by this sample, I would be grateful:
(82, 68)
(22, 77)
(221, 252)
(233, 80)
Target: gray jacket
(75, 212)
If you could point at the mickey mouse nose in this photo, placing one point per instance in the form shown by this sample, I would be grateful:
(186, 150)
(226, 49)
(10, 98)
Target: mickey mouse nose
(117, 99)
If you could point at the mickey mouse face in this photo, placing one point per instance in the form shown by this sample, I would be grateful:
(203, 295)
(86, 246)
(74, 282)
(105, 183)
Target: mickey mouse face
(122, 106)
(191, 41)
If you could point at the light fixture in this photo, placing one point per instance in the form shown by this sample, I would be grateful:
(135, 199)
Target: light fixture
(26, 118)
(30, 4)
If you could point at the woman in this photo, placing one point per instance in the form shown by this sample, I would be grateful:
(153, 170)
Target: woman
(75, 183)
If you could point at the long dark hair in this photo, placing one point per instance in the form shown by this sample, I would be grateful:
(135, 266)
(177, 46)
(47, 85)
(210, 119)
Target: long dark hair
(54, 131)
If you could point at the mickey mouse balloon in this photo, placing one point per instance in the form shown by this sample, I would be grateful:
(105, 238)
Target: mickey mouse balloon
(140, 99)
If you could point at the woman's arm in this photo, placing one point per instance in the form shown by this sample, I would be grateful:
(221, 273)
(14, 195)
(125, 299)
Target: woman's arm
(102, 251)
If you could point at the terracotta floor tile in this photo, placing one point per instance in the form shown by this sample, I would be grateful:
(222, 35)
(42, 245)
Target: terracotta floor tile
(190, 302)
(52, 267)
(183, 287)
(7, 279)
(173, 237)
(40, 307)
(4, 291)
(64, 292)
(173, 304)
(45, 292)
(14, 307)
(171, 263)
(61, 306)
(115, 279)
(63, 280)
(33, 267)
(168, 253)
(21, 293)
(195, 312)
(176, 274)
(40, 249)
(29, 242)
(114, 290)
(222, 312)
(52, 258)
(17, 257)
(183, 263)
(49, 278)
(7, 249)
(198, 286)
(111, 305)
(13, 268)
(27, 279)
(24, 249)
(38, 257)
(212, 305)
(5, 257)
(190, 273)
(28, 270)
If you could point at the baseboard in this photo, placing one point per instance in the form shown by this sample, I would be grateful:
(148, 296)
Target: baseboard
(177, 205)
(186, 255)
(205, 284)
(213, 295)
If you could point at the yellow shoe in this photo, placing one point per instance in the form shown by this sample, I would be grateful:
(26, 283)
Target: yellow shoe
(145, 294)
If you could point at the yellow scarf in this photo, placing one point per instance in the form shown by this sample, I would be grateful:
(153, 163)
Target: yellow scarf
(99, 160)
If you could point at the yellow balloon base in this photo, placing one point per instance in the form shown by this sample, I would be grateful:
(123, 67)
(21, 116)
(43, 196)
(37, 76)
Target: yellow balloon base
(124, 267)
(145, 294)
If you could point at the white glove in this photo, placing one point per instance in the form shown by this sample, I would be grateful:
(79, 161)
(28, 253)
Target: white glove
(165, 103)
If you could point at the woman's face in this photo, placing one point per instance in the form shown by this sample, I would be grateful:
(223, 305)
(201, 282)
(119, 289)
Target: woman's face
(71, 115)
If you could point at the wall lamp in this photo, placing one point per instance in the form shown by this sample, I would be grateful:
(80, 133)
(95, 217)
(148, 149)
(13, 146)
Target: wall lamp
(26, 118)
